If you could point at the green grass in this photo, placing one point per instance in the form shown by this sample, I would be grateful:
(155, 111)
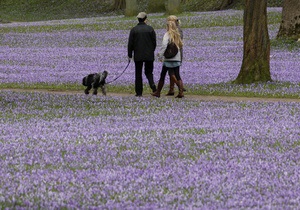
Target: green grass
(36, 10)
(288, 44)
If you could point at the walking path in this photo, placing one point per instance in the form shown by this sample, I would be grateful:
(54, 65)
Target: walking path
(187, 96)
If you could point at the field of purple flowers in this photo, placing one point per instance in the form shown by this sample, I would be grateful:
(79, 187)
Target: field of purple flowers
(84, 152)
(81, 152)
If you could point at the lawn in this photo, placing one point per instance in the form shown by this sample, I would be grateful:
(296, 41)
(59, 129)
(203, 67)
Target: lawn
(71, 151)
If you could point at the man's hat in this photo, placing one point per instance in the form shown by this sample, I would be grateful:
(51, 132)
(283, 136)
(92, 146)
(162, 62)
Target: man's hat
(142, 15)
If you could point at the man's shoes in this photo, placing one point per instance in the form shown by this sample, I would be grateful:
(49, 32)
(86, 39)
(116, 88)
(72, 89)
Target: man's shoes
(138, 95)
(153, 87)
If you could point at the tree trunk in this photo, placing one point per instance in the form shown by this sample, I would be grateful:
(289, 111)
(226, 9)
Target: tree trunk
(131, 8)
(224, 4)
(173, 7)
(256, 58)
(290, 25)
(156, 6)
(119, 4)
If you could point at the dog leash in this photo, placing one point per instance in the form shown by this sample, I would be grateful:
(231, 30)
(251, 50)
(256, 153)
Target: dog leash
(121, 73)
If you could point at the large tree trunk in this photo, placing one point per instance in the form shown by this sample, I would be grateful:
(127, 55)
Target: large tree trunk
(256, 60)
(131, 8)
(173, 7)
(290, 25)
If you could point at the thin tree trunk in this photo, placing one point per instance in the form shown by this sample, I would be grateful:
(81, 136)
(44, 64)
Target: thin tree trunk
(119, 4)
(156, 6)
(131, 8)
(256, 60)
(173, 7)
(224, 4)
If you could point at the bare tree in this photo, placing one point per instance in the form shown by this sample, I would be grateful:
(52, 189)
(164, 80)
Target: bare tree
(256, 58)
(290, 25)
(131, 8)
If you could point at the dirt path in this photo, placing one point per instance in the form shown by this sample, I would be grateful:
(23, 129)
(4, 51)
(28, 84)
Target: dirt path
(187, 96)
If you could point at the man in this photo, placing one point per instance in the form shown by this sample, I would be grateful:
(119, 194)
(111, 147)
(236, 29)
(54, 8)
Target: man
(142, 44)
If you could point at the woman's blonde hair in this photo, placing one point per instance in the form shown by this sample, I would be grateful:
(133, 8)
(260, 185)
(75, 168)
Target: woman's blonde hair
(174, 34)
(174, 18)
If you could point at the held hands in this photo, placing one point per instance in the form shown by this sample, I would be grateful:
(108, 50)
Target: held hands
(159, 57)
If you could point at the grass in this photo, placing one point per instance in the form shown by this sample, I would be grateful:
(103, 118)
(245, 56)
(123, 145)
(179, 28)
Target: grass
(288, 44)
(37, 10)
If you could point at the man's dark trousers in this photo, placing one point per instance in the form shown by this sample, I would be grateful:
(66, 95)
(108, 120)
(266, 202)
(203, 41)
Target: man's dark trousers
(139, 76)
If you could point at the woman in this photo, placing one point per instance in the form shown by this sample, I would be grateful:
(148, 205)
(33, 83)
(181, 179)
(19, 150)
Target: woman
(177, 22)
(170, 65)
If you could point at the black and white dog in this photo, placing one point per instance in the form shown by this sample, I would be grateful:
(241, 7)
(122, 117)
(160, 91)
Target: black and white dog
(95, 81)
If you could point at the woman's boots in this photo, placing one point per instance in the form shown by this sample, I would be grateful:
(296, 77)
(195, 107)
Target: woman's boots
(158, 90)
(180, 87)
(171, 90)
(161, 84)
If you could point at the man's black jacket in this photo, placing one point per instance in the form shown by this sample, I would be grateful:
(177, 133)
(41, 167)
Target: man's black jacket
(142, 42)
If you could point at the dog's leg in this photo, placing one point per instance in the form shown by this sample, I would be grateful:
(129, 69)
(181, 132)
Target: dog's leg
(103, 89)
(95, 86)
(87, 90)
(95, 91)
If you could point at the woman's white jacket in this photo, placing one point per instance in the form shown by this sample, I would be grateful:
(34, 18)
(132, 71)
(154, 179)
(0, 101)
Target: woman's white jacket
(163, 48)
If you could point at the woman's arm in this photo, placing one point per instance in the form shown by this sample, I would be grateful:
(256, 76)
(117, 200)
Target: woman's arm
(164, 45)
